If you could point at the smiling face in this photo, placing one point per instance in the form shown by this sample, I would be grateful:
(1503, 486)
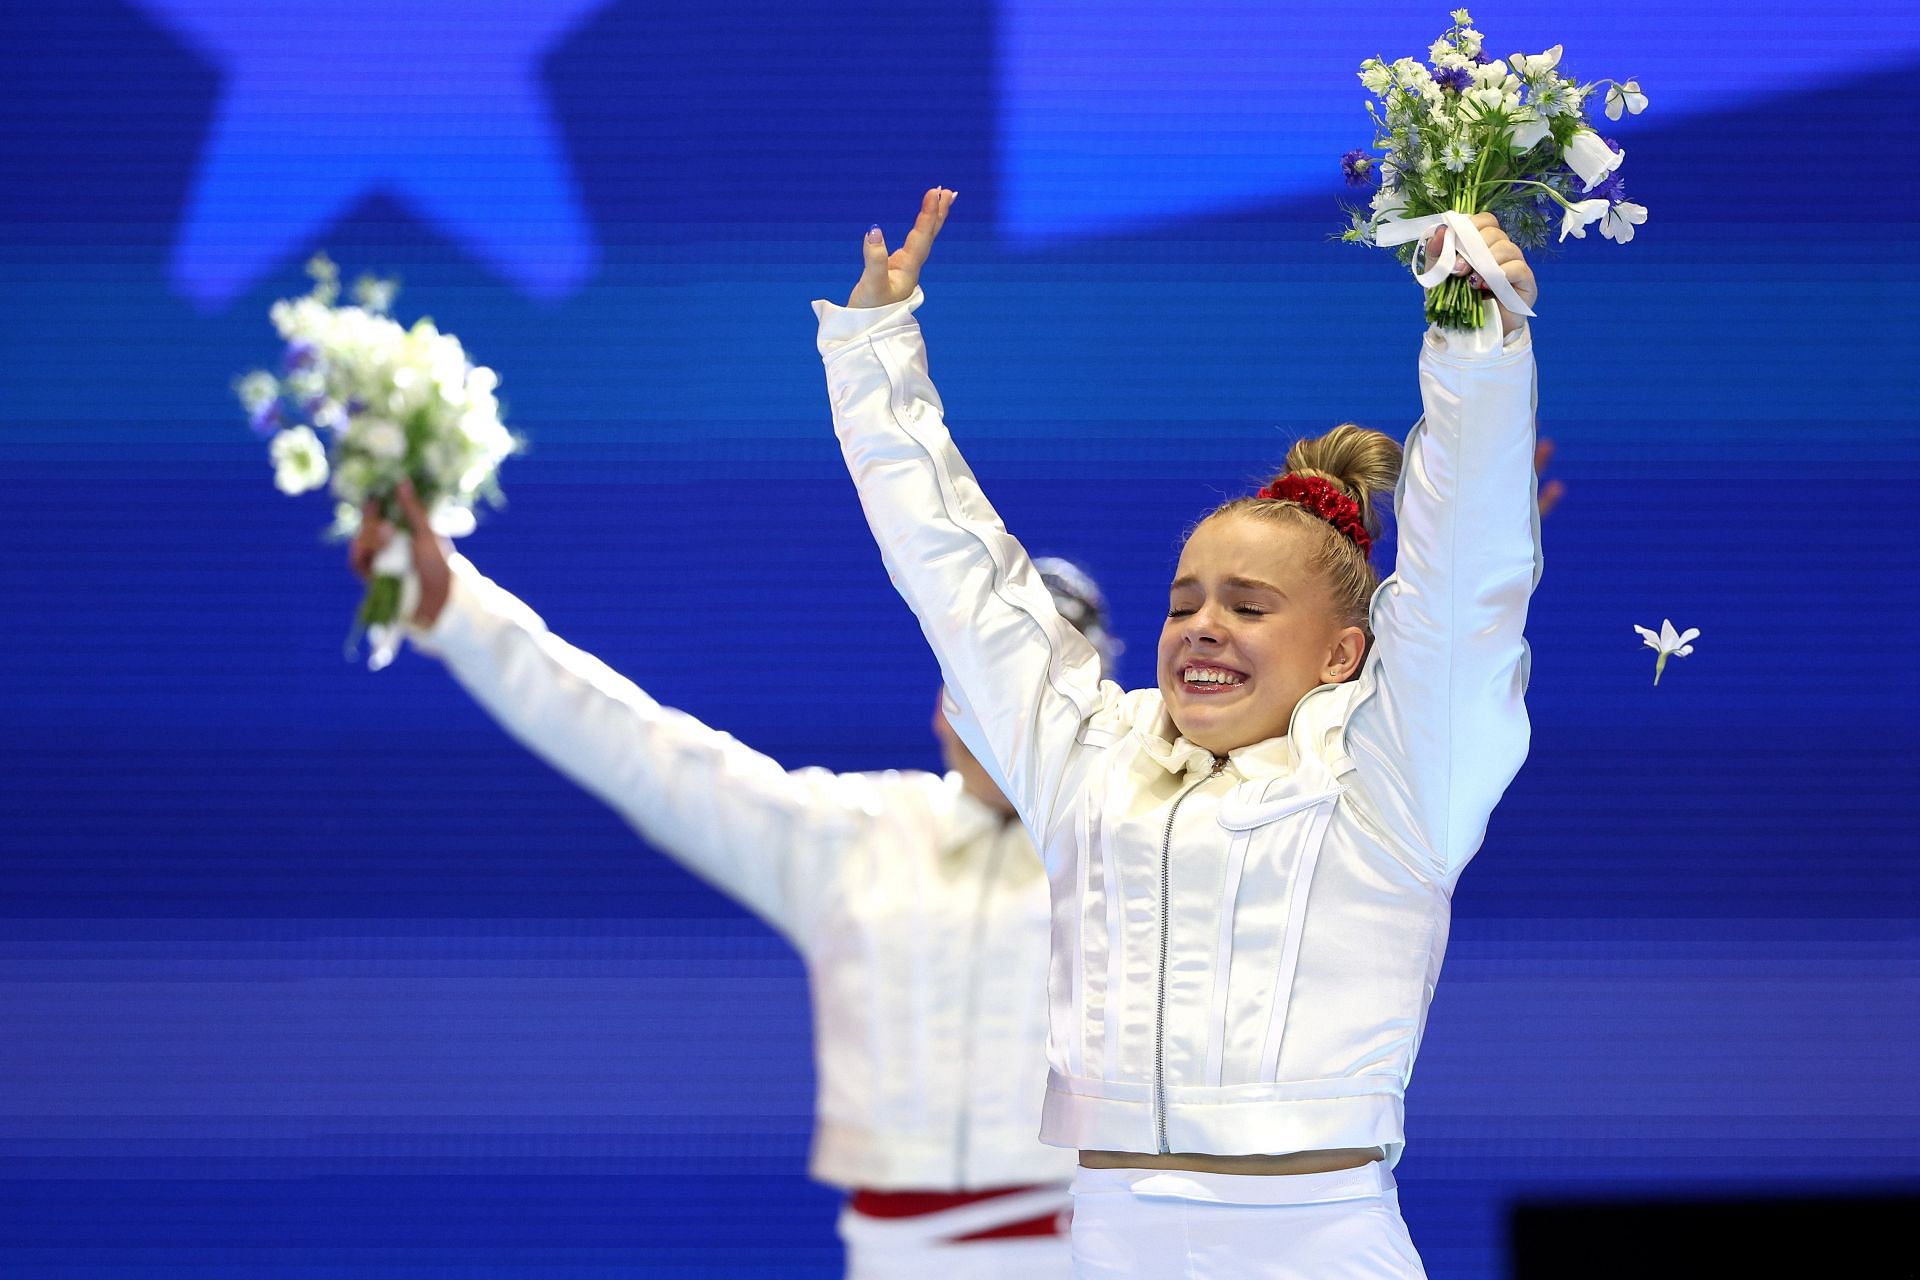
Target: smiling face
(1252, 627)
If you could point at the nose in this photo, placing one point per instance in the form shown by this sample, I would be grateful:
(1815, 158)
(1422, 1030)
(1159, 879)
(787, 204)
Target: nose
(1203, 627)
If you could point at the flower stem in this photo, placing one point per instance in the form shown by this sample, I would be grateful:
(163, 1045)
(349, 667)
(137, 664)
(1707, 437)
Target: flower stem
(379, 606)
(1563, 202)
(382, 601)
(1455, 304)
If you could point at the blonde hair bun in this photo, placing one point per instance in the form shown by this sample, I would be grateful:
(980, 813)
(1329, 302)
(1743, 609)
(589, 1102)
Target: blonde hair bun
(1362, 463)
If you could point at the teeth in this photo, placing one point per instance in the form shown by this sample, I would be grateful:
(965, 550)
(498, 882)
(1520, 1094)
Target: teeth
(1208, 675)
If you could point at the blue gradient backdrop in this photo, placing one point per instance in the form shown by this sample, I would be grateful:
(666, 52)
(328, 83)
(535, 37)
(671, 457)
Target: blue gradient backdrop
(307, 972)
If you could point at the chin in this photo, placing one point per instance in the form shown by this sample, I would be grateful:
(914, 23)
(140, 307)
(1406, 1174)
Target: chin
(1222, 729)
(1202, 726)
(1211, 737)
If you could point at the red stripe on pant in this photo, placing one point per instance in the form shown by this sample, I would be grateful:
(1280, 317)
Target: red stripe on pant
(918, 1204)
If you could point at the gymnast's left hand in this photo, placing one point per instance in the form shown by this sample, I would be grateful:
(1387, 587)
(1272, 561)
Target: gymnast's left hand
(1512, 262)
(891, 278)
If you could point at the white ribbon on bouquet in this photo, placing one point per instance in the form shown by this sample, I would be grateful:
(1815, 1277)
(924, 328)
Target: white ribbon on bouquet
(1463, 240)
(395, 560)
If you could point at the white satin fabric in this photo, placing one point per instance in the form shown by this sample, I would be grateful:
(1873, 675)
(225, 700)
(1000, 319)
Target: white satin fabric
(1137, 1223)
(1277, 1004)
(921, 915)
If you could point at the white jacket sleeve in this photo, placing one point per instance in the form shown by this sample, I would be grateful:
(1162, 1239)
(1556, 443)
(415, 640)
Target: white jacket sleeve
(724, 811)
(1028, 680)
(1439, 726)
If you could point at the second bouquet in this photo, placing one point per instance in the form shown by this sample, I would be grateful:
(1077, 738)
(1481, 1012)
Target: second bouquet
(366, 403)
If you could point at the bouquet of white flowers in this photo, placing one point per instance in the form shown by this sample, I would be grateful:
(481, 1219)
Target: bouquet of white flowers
(371, 403)
(1463, 134)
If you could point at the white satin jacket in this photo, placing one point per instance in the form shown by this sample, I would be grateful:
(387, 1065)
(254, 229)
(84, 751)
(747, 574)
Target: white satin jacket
(921, 915)
(1244, 949)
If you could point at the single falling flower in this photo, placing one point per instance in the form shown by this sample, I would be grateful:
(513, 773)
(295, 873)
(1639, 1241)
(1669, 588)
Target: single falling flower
(1668, 643)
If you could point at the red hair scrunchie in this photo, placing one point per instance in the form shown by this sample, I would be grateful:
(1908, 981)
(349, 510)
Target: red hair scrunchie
(1323, 499)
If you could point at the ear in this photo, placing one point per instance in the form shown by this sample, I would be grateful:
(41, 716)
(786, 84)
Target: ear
(1344, 656)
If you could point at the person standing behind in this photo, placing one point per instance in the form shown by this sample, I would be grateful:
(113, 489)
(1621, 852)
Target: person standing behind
(915, 900)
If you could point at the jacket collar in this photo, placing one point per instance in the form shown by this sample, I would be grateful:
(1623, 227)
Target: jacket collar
(1176, 755)
(1273, 758)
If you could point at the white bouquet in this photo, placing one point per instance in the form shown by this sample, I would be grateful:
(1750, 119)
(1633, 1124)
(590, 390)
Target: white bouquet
(1463, 134)
(369, 403)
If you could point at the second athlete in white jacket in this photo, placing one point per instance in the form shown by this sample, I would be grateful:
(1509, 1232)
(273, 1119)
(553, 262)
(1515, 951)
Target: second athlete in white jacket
(916, 901)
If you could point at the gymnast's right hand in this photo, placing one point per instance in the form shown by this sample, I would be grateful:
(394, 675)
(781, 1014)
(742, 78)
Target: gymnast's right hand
(431, 564)
(891, 279)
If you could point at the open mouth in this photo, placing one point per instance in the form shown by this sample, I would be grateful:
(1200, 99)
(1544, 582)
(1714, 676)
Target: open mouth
(1205, 680)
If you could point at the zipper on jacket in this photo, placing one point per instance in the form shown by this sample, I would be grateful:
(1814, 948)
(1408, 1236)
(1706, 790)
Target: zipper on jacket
(1160, 995)
(976, 946)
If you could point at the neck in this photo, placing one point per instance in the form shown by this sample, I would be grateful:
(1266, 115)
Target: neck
(981, 788)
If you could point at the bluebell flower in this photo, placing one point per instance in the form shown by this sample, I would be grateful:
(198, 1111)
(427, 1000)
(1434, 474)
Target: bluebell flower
(1356, 165)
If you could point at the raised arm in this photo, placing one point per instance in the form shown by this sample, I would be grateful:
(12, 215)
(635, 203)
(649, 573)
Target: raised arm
(1440, 727)
(728, 813)
(1028, 680)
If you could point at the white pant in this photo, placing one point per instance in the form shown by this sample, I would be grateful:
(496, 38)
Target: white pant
(921, 1248)
(1166, 1225)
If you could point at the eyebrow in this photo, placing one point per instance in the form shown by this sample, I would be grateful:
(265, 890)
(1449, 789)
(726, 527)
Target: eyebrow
(1248, 584)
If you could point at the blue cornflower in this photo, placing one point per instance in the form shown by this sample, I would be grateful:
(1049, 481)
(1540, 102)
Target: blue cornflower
(299, 355)
(1458, 79)
(266, 419)
(1356, 165)
(1612, 189)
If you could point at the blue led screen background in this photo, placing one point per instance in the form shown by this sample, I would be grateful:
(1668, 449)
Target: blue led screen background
(307, 971)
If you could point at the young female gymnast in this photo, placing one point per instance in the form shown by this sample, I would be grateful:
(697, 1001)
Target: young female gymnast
(917, 903)
(1250, 864)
